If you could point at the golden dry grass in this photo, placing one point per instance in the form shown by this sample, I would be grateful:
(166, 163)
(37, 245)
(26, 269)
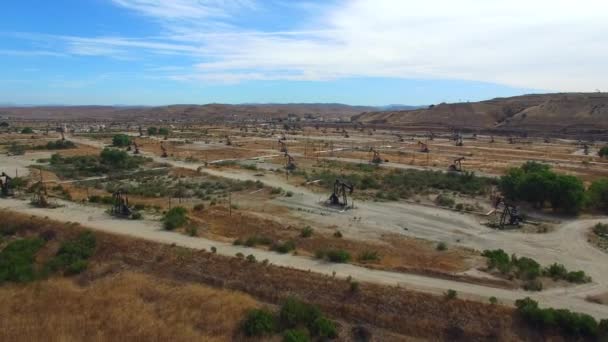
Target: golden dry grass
(128, 306)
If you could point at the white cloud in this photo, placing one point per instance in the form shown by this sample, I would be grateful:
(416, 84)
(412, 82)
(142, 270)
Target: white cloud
(558, 45)
(544, 44)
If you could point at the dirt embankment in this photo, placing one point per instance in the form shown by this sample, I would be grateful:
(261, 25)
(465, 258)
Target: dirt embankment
(383, 309)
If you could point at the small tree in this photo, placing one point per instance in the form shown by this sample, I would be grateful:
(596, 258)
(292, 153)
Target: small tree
(603, 152)
(152, 131)
(175, 218)
(27, 130)
(259, 322)
(121, 140)
(163, 131)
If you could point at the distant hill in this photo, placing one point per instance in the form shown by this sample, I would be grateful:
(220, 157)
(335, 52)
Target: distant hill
(551, 113)
(188, 112)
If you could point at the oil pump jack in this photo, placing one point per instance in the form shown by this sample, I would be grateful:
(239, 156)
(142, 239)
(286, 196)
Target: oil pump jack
(120, 204)
(424, 148)
(40, 197)
(162, 147)
(457, 165)
(228, 141)
(283, 146)
(509, 215)
(6, 186)
(376, 157)
(135, 148)
(491, 139)
(290, 164)
(341, 190)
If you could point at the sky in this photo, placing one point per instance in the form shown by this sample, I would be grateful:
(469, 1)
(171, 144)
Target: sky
(360, 52)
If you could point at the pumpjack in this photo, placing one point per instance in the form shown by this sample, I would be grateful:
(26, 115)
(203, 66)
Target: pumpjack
(424, 148)
(135, 148)
(431, 135)
(376, 157)
(162, 147)
(120, 204)
(458, 140)
(509, 215)
(40, 198)
(290, 164)
(341, 190)
(228, 141)
(586, 149)
(457, 165)
(6, 186)
(141, 132)
(491, 139)
(283, 146)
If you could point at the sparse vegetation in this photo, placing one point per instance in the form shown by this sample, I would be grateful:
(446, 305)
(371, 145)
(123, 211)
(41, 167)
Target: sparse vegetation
(529, 270)
(27, 130)
(73, 255)
(17, 260)
(569, 323)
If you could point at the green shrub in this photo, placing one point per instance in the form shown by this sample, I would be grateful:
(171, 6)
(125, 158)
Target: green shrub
(337, 234)
(27, 130)
(295, 312)
(569, 323)
(493, 300)
(259, 322)
(73, 254)
(284, 248)
(336, 255)
(323, 327)
(295, 335)
(136, 215)
(306, 232)
(445, 201)
(175, 218)
(121, 140)
(17, 260)
(366, 256)
(442, 246)
(163, 131)
(451, 294)
(152, 130)
(251, 258)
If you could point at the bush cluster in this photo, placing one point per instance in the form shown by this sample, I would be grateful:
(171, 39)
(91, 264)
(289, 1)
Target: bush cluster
(537, 184)
(174, 218)
(17, 260)
(296, 320)
(404, 183)
(57, 145)
(121, 140)
(568, 322)
(528, 269)
(334, 255)
(72, 257)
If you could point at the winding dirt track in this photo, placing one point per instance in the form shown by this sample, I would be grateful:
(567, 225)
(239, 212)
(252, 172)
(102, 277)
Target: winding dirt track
(567, 244)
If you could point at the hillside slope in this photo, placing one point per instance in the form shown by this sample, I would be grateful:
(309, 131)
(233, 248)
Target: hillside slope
(556, 113)
(186, 112)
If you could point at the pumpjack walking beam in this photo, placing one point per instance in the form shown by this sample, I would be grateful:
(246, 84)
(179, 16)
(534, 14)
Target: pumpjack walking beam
(341, 190)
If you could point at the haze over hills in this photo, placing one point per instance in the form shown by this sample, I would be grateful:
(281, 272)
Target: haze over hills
(551, 113)
(186, 111)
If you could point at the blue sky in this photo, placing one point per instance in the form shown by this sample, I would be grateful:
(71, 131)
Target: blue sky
(365, 52)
